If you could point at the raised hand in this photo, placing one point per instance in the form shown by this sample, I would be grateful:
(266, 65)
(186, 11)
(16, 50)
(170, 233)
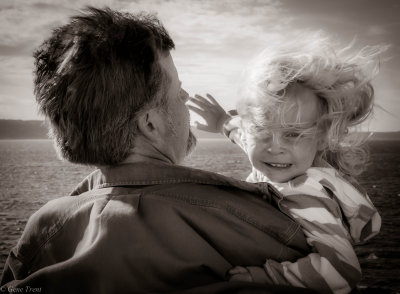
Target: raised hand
(209, 109)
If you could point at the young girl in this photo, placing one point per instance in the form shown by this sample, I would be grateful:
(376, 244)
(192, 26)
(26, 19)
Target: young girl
(296, 108)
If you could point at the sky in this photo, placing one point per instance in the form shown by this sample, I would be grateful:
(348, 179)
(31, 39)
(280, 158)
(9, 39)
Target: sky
(214, 42)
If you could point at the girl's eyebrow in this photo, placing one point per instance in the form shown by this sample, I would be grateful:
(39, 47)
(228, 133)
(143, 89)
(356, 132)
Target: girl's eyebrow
(292, 127)
(300, 126)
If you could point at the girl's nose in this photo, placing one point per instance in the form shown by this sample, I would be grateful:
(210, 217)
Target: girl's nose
(274, 146)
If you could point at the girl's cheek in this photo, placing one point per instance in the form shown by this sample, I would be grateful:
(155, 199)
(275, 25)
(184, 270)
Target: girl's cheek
(251, 143)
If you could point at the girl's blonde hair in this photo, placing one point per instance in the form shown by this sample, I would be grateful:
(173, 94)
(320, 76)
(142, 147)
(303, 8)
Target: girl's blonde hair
(340, 78)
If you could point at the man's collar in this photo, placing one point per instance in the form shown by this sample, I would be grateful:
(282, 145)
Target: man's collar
(158, 173)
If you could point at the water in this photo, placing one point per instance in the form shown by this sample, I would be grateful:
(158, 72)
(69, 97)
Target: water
(31, 175)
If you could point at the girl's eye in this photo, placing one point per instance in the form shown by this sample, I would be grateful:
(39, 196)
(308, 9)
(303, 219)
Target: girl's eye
(292, 135)
(265, 137)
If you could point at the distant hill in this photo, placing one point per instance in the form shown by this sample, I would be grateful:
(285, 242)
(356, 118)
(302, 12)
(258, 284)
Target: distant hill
(206, 135)
(36, 129)
(22, 129)
(387, 136)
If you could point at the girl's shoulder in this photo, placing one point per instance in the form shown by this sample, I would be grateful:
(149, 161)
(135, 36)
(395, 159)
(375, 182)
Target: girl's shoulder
(357, 208)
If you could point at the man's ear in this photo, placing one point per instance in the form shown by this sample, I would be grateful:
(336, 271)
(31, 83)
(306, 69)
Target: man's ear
(148, 124)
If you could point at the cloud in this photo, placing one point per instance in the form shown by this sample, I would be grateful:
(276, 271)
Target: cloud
(377, 30)
(24, 26)
(214, 39)
(16, 96)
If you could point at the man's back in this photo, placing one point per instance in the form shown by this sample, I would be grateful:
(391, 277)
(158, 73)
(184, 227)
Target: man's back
(150, 227)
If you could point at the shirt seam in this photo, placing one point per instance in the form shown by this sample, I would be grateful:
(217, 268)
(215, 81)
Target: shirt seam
(57, 228)
(293, 227)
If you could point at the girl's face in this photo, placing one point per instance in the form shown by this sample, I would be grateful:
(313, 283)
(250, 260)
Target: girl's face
(282, 153)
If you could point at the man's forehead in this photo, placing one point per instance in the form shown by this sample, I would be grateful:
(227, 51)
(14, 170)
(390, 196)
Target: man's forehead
(166, 62)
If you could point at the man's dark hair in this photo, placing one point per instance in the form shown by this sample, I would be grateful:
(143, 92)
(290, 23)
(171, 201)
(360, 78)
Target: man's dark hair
(93, 77)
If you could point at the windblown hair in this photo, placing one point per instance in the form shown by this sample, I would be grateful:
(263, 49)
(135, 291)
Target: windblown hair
(94, 76)
(340, 78)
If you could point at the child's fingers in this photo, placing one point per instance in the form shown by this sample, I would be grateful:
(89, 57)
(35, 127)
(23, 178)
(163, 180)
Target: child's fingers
(209, 106)
(203, 104)
(201, 127)
(206, 101)
(201, 98)
(241, 278)
(237, 270)
(239, 273)
(199, 111)
(212, 99)
(214, 102)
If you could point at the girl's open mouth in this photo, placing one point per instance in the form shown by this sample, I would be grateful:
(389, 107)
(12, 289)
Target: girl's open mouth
(279, 165)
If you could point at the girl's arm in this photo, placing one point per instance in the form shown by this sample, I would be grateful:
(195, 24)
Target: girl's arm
(210, 110)
(333, 266)
(217, 120)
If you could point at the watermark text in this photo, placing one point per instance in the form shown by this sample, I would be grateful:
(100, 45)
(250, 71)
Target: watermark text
(26, 289)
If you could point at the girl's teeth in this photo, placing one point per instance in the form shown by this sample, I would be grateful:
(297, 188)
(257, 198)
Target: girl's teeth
(279, 165)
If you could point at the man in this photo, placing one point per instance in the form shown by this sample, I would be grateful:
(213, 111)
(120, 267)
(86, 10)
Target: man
(140, 223)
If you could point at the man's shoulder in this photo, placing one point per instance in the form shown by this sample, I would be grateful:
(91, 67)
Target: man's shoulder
(47, 221)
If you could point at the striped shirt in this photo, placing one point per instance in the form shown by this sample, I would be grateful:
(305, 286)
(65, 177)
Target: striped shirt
(334, 216)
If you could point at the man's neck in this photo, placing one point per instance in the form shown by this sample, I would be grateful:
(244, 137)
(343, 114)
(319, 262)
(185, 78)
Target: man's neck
(137, 157)
(146, 152)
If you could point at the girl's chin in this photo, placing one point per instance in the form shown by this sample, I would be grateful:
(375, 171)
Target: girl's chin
(277, 176)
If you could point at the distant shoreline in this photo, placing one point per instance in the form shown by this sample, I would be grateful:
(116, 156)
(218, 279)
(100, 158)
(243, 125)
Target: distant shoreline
(37, 130)
(198, 138)
(25, 139)
(43, 139)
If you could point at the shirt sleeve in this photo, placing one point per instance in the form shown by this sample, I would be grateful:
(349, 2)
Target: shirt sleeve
(333, 266)
(13, 270)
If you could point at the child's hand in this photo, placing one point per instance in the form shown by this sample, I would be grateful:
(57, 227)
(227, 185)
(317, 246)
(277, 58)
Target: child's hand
(239, 273)
(209, 109)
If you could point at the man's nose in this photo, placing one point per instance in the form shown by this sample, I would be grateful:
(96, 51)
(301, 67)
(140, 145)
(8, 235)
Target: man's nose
(184, 95)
